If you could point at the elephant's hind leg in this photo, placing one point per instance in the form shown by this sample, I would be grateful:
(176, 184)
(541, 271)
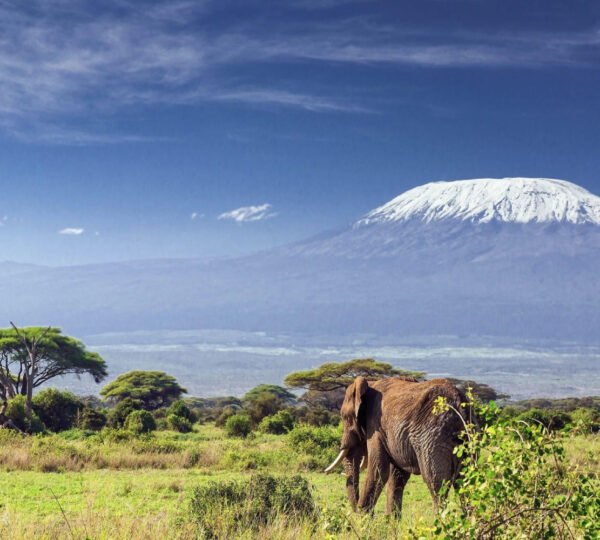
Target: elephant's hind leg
(438, 469)
(395, 490)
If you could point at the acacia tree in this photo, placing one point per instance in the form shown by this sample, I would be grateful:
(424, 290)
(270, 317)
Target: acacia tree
(334, 375)
(325, 385)
(30, 357)
(152, 389)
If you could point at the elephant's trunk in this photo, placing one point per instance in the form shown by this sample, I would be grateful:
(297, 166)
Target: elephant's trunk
(352, 469)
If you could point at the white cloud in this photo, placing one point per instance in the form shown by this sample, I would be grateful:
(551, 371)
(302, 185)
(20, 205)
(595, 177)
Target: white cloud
(249, 213)
(72, 231)
(195, 215)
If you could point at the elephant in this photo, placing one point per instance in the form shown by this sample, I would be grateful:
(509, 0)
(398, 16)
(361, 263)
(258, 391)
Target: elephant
(390, 426)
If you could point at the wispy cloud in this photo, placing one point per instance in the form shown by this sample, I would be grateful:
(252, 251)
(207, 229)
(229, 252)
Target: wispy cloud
(195, 215)
(290, 99)
(62, 63)
(249, 213)
(72, 231)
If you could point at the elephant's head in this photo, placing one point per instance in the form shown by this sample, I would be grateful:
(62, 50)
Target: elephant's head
(353, 445)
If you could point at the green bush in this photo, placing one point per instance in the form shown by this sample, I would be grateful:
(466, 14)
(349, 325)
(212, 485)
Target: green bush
(227, 509)
(550, 419)
(238, 425)
(586, 420)
(56, 409)
(179, 423)
(224, 415)
(15, 412)
(117, 416)
(91, 419)
(318, 416)
(140, 422)
(321, 444)
(278, 424)
(517, 483)
(180, 409)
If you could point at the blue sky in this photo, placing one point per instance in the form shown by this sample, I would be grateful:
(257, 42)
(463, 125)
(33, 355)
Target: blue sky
(215, 128)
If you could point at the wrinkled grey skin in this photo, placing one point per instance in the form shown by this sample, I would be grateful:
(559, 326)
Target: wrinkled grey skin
(391, 423)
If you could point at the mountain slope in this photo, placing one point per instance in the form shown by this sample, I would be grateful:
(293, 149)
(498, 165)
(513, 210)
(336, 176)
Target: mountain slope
(511, 257)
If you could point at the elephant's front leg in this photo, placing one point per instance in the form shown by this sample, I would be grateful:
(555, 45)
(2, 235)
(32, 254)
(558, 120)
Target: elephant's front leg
(395, 490)
(378, 469)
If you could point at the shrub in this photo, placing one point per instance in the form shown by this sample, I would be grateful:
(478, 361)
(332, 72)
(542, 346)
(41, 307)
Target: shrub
(227, 509)
(263, 405)
(238, 425)
(117, 416)
(179, 423)
(586, 420)
(180, 409)
(318, 416)
(91, 419)
(15, 412)
(140, 422)
(277, 424)
(319, 443)
(224, 415)
(517, 483)
(550, 419)
(57, 410)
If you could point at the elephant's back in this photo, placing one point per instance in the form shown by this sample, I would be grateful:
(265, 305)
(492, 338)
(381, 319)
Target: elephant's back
(414, 402)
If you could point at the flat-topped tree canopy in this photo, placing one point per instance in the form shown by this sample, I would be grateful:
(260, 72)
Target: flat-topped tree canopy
(154, 389)
(33, 355)
(334, 375)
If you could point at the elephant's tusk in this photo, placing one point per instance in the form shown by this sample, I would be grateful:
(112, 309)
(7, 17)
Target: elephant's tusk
(337, 460)
(363, 463)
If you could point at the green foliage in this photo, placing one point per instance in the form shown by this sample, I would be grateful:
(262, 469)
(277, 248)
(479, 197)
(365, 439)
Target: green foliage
(517, 483)
(551, 420)
(318, 416)
(179, 423)
(56, 355)
(209, 409)
(563, 404)
(319, 444)
(586, 420)
(279, 392)
(16, 412)
(263, 405)
(154, 389)
(278, 424)
(224, 415)
(139, 422)
(238, 425)
(56, 409)
(180, 409)
(227, 509)
(91, 419)
(339, 375)
(117, 415)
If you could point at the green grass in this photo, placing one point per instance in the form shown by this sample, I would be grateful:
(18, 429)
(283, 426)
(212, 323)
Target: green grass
(128, 500)
(33, 500)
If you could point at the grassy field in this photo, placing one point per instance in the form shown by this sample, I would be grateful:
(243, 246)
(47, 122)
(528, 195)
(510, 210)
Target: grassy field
(58, 487)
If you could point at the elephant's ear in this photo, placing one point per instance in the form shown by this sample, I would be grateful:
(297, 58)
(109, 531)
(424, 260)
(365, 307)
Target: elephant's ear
(360, 388)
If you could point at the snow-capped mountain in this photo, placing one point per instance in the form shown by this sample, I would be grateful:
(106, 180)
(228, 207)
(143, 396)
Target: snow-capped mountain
(506, 200)
(466, 219)
(507, 257)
